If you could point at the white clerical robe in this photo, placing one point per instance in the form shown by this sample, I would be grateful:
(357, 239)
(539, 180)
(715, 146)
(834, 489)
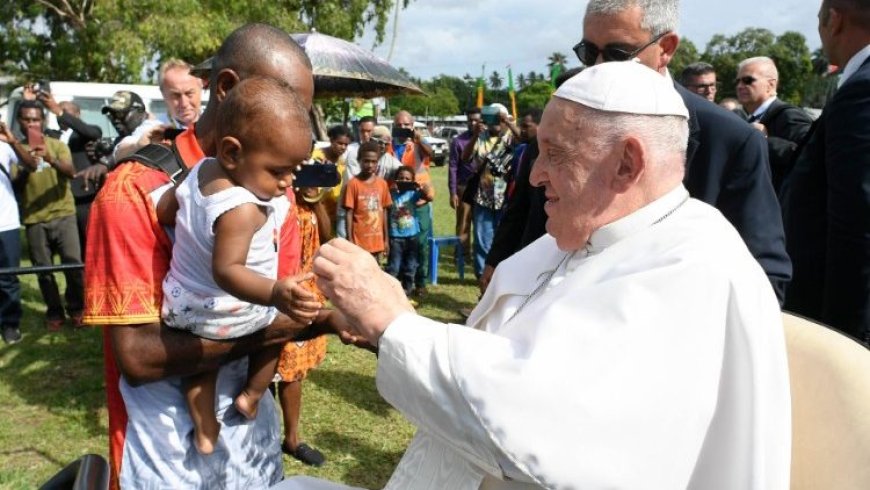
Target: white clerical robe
(652, 359)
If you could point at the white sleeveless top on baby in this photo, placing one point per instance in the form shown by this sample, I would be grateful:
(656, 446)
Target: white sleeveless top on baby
(191, 298)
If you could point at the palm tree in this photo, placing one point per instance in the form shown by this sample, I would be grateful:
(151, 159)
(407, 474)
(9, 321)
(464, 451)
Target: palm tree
(557, 59)
(495, 80)
(532, 77)
(521, 81)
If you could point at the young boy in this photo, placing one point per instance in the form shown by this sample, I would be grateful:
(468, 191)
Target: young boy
(367, 199)
(404, 227)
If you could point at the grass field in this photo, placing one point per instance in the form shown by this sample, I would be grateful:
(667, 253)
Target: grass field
(52, 392)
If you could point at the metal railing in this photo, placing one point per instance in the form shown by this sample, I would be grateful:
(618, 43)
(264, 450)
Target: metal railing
(39, 269)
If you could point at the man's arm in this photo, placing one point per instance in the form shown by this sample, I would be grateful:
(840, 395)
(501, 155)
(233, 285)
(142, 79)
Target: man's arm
(452, 169)
(25, 158)
(748, 201)
(786, 132)
(468, 151)
(846, 302)
(150, 352)
(87, 131)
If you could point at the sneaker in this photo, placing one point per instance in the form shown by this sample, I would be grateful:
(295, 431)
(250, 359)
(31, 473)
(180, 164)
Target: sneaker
(54, 325)
(11, 335)
(420, 292)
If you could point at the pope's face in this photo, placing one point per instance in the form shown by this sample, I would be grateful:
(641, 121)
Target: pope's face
(572, 172)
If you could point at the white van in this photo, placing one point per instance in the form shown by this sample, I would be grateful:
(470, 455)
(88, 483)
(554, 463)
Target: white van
(92, 97)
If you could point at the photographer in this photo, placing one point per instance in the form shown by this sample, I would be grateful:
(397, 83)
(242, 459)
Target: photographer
(48, 210)
(77, 135)
(492, 157)
(126, 112)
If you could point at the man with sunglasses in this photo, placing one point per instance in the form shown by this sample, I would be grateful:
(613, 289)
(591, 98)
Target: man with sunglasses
(783, 124)
(726, 161)
(827, 197)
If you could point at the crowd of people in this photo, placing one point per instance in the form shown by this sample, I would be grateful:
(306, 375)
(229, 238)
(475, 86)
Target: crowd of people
(634, 244)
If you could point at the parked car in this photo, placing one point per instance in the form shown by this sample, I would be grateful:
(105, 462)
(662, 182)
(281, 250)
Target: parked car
(91, 97)
(440, 150)
(449, 132)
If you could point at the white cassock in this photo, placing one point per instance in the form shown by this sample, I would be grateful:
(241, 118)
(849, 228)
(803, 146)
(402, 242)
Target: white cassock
(652, 359)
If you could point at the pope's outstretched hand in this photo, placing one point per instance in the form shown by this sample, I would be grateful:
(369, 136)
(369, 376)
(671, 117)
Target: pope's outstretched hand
(351, 278)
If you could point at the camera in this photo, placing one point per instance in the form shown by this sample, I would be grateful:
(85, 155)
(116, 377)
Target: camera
(103, 147)
(316, 175)
(402, 134)
(490, 115)
(499, 161)
(407, 186)
(42, 85)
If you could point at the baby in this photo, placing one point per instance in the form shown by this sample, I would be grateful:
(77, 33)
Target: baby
(228, 213)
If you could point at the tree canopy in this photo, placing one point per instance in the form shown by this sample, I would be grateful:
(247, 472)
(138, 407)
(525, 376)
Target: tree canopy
(121, 40)
(789, 51)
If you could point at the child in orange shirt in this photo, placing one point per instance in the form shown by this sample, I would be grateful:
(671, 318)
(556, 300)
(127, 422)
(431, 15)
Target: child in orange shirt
(367, 199)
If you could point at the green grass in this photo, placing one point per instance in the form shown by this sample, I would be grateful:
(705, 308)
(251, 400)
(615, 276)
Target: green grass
(52, 392)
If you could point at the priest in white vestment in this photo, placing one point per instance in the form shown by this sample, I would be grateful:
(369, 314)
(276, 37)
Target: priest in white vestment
(637, 345)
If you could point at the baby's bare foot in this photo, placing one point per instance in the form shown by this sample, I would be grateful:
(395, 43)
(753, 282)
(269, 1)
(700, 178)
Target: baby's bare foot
(204, 443)
(246, 403)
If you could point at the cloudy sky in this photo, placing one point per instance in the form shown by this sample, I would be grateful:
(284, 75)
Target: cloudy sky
(455, 37)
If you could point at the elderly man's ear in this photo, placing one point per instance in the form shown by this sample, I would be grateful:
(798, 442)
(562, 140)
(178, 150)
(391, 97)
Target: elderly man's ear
(669, 43)
(631, 166)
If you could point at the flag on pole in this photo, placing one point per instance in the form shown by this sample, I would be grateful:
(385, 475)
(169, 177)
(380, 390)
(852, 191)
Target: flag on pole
(555, 71)
(480, 87)
(512, 92)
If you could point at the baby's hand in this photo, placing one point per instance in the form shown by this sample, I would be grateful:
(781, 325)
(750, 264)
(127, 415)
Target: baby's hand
(294, 300)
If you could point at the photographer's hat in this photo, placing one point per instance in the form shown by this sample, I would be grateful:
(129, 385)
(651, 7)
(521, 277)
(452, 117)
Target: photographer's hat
(627, 87)
(124, 101)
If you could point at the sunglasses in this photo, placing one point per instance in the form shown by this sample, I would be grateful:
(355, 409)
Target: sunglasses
(588, 53)
(745, 80)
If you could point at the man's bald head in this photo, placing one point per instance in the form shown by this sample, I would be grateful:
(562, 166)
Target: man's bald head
(264, 51)
(403, 119)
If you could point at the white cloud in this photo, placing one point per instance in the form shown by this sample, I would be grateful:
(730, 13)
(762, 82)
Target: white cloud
(456, 37)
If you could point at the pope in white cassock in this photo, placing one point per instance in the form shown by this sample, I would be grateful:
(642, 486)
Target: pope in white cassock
(637, 345)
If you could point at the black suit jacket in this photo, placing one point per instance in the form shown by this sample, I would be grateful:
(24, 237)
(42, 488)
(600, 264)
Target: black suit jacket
(727, 167)
(827, 214)
(82, 134)
(787, 126)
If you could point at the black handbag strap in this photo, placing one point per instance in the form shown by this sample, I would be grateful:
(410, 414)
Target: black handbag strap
(163, 158)
(6, 173)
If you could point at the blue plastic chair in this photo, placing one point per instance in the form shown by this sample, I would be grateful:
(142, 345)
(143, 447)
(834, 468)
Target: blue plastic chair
(435, 243)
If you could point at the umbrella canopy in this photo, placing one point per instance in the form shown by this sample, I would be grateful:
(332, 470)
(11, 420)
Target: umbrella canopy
(344, 69)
